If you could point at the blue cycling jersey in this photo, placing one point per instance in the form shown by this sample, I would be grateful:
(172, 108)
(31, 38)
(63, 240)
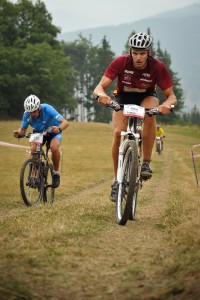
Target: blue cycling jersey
(48, 117)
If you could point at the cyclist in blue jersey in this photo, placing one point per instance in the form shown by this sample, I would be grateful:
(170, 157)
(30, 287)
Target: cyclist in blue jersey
(44, 117)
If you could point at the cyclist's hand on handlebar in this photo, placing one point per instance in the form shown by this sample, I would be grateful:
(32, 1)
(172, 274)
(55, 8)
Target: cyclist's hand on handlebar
(55, 129)
(16, 134)
(115, 106)
(165, 109)
(106, 100)
(103, 99)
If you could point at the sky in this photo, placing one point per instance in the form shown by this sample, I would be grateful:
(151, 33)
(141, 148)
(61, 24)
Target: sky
(72, 15)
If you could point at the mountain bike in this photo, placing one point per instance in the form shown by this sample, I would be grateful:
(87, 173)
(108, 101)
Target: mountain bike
(159, 146)
(36, 173)
(129, 164)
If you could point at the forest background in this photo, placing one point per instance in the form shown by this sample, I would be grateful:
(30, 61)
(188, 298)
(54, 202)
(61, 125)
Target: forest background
(64, 74)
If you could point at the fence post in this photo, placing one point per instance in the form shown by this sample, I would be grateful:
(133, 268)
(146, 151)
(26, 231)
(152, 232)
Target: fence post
(193, 159)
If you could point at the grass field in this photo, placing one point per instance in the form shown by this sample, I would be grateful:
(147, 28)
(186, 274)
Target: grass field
(75, 250)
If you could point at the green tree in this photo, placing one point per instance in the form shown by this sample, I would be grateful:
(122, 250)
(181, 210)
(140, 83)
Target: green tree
(126, 46)
(166, 58)
(79, 51)
(192, 117)
(104, 55)
(31, 59)
(90, 62)
(8, 84)
(26, 22)
(37, 69)
(8, 30)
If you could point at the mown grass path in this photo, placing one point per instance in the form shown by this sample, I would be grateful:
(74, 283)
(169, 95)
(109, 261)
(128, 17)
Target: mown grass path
(75, 250)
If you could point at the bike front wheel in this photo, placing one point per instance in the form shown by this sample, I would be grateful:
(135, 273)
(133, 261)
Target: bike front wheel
(31, 182)
(127, 189)
(134, 203)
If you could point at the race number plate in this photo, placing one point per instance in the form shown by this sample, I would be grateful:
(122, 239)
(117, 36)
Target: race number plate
(134, 110)
(36, 138)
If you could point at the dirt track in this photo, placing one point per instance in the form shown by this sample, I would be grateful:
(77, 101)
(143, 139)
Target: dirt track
(123, 262)
(75, 250)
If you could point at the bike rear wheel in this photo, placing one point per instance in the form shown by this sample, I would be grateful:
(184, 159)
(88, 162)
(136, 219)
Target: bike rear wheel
(127, 189)
(49, 192)
(31, 182)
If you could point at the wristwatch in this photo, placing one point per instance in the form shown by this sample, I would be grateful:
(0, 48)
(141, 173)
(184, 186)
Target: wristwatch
(60, 129)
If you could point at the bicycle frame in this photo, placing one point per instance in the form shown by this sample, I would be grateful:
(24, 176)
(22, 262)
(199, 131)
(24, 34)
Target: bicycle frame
(130, 134)
(128, 171)
(40, 153)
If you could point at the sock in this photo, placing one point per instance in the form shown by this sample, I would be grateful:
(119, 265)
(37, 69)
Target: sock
(145, 161)
(55, 172)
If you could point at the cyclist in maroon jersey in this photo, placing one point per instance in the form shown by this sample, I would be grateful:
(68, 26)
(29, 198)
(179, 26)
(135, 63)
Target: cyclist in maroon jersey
(137, 74)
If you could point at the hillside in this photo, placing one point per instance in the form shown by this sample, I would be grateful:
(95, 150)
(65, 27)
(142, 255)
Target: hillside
(178, 33)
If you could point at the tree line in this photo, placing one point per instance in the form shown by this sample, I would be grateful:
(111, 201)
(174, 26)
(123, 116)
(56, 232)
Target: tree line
(64, 74)
(192, 117)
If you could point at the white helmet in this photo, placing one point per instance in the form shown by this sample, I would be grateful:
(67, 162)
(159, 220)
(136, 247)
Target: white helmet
(140, 41)
(31, 103)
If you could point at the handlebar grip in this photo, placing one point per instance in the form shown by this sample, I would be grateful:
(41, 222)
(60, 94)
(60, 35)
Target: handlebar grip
(20, 136)
(24, 135)
(115, 106)
(152, 111)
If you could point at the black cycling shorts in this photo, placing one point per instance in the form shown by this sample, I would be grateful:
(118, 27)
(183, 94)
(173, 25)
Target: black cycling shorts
(133, 98)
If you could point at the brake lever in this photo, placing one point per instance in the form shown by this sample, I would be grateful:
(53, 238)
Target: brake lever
(115, 105)
(152, 111)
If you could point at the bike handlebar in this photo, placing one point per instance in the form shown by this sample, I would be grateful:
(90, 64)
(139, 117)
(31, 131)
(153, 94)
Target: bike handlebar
(20, 136)
(149, 111)
(29, 134)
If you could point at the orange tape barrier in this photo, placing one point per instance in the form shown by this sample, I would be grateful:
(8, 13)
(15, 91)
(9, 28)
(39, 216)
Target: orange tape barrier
(13, 145)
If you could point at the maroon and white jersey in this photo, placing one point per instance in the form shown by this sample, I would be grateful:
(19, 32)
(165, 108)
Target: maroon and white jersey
(130, 79)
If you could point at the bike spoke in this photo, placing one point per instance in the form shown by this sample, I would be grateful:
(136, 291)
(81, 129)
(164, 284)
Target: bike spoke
(127, 188)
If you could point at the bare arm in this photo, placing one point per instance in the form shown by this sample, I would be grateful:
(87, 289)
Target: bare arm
(63, 125)
(164, 108)
(104, 83)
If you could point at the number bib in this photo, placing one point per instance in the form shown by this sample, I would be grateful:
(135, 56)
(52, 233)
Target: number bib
(36, 138)
(134, 111)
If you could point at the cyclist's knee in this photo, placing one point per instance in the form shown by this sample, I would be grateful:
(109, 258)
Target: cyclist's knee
(54, 149)
(117, 138)
(150, 123)
(150, 101)
(117, 134)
